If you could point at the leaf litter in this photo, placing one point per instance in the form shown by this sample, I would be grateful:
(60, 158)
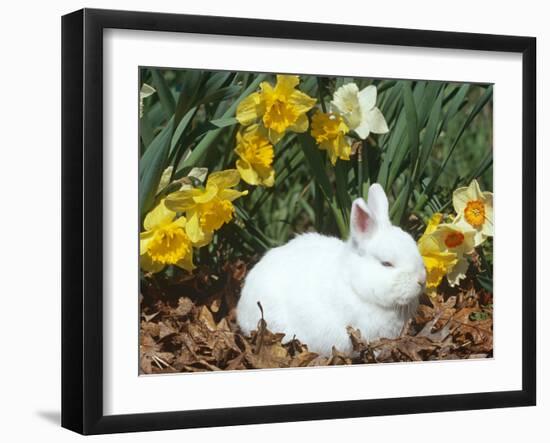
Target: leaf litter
(188, 324)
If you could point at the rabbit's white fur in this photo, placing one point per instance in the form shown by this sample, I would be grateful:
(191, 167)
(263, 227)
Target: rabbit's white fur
(315, 286)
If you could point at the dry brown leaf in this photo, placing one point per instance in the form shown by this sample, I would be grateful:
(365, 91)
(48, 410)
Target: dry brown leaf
(151, 356)
(198, 331)
(185, 305)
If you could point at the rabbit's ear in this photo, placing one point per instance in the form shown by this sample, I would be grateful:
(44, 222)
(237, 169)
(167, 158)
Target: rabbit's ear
(362, 221)
(378, 203)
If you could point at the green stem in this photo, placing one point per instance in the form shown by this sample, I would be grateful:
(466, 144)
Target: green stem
(320, 90)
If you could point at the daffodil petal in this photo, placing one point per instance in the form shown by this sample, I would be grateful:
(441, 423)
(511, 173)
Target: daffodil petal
(345, 96)
(474, 191)
(180, 222)
(460, 200)
(208, 194)
(266, 88)
(301, 102)
(376, 121)
(346, 103)
(205, 239)
(363, 130)
(469, 241)
(488, 224)
(231, 194)
(249, 109)
(286, 84)
(479, 238)
(159, 216)
(181, 200)
(435, 219)
(301, 124)
(269, 181)
(458, 272)
(437, 263)
(148, 265)
(429, 245)
(144, 240)
(345, 148)
(193, 228)
(367, 98)
(332, 156)
(187, 262)
(248, 174)
(274, 136)
(224, 179)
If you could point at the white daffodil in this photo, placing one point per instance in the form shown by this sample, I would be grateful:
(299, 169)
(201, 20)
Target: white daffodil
(460, 241)
(144, 92)
(358, 108)
(474, 210)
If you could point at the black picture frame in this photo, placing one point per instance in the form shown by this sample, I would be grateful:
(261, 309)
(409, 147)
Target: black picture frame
(82, 219)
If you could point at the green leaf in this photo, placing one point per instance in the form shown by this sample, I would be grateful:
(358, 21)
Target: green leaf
(455, 103)
(223, 122)
(149, 181)
(483, 100)
(182, 126)
(220, 95)
(341, 172)
(485, 164)
(412, 123)
(480, 315)
(215, 82)
(385, 84)
(430, 136)
(250, 226)
(200, 150)
(158, 142)
(190, 82)
(399, 208)
(405, 154)
(146, 130)
(485, 281)
(165, 95)
(316, 164)
(425, 103)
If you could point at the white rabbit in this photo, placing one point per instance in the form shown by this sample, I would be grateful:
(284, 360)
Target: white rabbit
(315, 286)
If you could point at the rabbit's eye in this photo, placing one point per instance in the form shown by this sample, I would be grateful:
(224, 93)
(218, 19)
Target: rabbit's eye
(387, 264)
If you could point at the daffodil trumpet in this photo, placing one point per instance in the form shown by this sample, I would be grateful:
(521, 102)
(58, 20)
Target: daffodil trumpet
(256, 153)
(164, 241)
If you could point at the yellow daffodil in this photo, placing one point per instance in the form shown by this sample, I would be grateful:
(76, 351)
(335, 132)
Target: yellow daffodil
(164, 241)
(329, 131)
(255, 163)
(209, 208)
(475, 210)
(439, 261)
(358, 108)
(281, 108)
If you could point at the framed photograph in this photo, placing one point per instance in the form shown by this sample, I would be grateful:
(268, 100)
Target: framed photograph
(271, 221)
